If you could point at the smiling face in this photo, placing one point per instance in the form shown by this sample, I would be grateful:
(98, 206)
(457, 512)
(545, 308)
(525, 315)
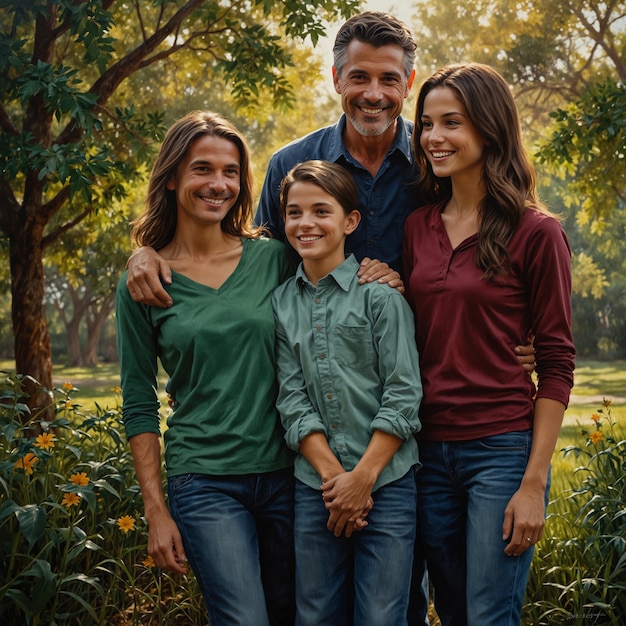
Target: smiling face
(316, 226)
(207, 181)
(373, 87)
(452, 144)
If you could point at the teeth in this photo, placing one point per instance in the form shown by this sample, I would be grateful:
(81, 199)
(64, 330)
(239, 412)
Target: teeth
(371, 111)
(219, 201)
(440, 155)
(306, 238)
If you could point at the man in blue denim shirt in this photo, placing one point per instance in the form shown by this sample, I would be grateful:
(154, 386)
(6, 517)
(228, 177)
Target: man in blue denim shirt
(374, 54)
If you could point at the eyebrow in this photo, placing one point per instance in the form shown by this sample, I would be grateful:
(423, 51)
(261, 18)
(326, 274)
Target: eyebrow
(449, 114)
(315, 204)
(205, 162)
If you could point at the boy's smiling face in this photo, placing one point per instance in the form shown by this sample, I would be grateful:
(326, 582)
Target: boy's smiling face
(316, 226)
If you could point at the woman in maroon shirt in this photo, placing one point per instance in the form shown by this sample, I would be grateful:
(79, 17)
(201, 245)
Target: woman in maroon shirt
(485, 263)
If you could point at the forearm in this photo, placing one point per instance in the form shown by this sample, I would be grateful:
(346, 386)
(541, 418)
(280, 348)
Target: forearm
(146, 451)
(546, 427)
(315, 449)
(379, 452)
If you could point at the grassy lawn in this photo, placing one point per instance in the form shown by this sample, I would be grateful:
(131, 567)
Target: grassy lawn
(594, 381)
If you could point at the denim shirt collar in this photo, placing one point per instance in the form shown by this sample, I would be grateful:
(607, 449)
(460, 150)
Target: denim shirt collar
(401, 142)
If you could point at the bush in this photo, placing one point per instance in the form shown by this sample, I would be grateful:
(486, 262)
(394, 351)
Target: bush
(578, 574)
(72, 539)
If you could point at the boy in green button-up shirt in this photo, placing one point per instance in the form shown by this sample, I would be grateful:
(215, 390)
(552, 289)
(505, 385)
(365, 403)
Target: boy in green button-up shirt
(349, 396)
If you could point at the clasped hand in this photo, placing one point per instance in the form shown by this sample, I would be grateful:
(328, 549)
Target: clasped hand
(348, 499)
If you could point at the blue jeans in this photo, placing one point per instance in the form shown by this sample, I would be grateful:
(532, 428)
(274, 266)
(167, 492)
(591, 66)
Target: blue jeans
(363, 579)
(463, 489)
(238, 538)
(419, 595)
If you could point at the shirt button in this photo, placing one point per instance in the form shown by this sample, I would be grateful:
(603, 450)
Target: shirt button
(333, 426)
(372, 213)
(322, 356)
(317, 300)
(318, 327)
(329, 396)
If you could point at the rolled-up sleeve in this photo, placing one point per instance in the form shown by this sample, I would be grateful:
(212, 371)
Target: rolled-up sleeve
(398, 365)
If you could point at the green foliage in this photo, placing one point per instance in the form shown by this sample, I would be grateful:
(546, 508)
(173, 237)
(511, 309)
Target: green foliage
(78, 116)
(579, 572)
(588, 146)
(72, 539)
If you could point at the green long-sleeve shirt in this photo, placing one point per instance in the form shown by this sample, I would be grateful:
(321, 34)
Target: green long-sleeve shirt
(347, 366)
(217, 346)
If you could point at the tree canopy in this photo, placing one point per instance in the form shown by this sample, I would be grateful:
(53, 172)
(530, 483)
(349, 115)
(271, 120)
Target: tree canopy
(73, 139)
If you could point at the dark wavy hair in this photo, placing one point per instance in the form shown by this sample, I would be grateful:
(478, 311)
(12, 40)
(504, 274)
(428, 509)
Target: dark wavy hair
(508, 174)
(156, 225)
(330, 177)
(377, 29)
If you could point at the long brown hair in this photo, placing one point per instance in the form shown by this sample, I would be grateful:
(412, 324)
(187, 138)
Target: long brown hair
(156, 225)
(508, 174)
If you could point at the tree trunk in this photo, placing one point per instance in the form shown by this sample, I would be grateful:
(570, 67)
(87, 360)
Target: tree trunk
(72, 328)
(33, 355)
(96, 317)
(74, 351)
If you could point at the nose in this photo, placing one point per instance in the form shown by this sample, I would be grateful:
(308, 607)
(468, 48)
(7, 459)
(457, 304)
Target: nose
(306, 220)
(435, 135)
(218, 181)
(374, 91)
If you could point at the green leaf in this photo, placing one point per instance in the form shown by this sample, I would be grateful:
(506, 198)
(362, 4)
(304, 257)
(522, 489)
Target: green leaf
(32, 521)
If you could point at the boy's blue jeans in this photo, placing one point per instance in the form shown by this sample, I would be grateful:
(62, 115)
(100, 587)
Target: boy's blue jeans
(238, 538)
(363, 579)
(463, 489)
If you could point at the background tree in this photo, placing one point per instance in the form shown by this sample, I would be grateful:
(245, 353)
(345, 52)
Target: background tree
(68, 147)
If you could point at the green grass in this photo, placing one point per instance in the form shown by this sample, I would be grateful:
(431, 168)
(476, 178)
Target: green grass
(594, 380)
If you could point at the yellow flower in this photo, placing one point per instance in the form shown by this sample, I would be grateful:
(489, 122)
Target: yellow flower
(595, 418)
(126, 523)
(68, 386)
(117, 389)
(79, 478)
(149, 561)
(70, 499)
(26, 462)
(596, 436)
(45, 441)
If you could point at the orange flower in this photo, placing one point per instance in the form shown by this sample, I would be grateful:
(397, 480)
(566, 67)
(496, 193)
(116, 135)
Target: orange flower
(27, 462)
(68, 404)
(149, 561)
(45, 441)
(596, 436)
(595, 418)
(117, 389)
(126, 523)
(68, 386)
(70, 499)
(79, 478)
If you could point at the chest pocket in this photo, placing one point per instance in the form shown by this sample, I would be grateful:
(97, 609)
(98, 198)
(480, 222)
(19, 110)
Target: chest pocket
(353, 346)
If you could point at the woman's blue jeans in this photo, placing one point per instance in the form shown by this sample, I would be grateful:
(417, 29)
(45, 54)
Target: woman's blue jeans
(463, 489)
(238, 538)
(361, 580)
